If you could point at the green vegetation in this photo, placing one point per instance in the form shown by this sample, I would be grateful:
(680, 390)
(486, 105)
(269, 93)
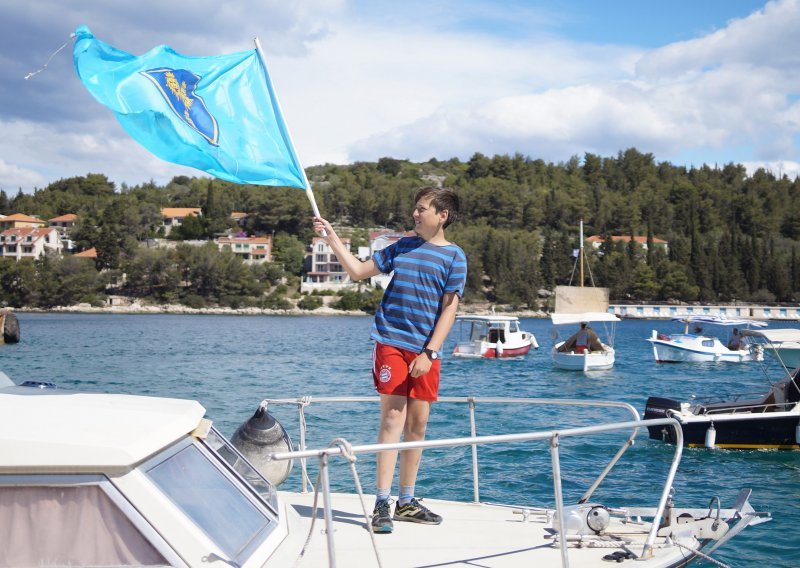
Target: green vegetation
(730, 236)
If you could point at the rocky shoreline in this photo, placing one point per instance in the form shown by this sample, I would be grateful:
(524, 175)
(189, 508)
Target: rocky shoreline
(139, 308)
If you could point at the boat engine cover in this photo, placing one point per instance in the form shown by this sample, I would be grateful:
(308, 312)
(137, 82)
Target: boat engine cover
(657, 407)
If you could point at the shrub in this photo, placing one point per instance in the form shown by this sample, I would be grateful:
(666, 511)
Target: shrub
(194, 301)
(310, 303)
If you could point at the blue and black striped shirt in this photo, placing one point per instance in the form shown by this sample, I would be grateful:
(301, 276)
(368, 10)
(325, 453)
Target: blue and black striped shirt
(412, 303)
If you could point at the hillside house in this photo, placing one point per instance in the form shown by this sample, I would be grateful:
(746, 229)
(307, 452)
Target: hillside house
(379, 240)
(326, 272)
(174, 216)
(64, 225)
(240, 217)
(88, 253)
(252, 250)
(18, 221)
(30, 242)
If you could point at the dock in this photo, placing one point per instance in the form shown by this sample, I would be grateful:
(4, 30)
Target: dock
(669, 311)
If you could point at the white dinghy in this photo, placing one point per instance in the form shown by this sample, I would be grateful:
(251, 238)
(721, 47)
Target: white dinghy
(584, 350)
(597, 356)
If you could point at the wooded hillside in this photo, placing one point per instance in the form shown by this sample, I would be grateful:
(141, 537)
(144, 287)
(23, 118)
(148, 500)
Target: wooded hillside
(729, 236)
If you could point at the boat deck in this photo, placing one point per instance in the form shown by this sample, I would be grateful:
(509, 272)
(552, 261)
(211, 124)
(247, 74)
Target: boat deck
(471, 535)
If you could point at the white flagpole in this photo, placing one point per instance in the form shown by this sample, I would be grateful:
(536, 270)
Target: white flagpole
(309, 192)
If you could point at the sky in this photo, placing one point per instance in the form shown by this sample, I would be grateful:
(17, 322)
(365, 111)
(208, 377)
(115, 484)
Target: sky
(692, 82)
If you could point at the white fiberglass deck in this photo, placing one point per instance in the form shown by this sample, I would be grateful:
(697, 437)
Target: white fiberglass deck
(471, 535)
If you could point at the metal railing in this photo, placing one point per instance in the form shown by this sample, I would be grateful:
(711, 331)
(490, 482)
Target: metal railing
(553, 438)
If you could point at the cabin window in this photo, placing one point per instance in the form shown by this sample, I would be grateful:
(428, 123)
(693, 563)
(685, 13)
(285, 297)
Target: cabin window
(69, 525)
(234, 459)
(708, 343)
(233, 520)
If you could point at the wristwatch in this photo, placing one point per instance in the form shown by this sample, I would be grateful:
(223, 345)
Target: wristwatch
(432, 355)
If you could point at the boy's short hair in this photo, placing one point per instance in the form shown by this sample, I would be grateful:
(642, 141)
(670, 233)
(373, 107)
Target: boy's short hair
(442, 199)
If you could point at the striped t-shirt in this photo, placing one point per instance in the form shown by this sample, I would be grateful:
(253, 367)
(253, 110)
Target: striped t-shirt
(412, 303)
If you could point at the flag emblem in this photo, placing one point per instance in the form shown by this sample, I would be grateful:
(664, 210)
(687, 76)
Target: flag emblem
(178, 88)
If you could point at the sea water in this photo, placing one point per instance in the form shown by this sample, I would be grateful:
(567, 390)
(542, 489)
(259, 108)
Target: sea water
(231, 363)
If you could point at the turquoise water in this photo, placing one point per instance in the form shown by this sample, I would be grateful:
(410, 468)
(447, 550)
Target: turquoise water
(231, 363)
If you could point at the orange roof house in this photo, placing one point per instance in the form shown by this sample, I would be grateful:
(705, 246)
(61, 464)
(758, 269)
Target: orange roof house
(174, 216)
(88, 253)
(250, 249)
(18, 220)
(63, 223)
(30, 242)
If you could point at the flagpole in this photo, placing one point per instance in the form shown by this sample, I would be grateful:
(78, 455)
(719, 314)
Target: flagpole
(309, 192)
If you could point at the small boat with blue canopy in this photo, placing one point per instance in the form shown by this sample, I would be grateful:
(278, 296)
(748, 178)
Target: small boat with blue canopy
(695, 346)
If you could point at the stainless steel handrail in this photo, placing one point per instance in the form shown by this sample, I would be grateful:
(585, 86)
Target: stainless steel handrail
(302, 402)
(552, 437)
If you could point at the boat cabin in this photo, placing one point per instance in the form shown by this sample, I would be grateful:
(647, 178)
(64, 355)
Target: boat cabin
(92, 457)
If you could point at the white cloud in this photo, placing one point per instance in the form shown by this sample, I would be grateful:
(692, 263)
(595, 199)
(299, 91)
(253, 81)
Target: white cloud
(779, 168)
(364, 93)
(52, 152)
(359, 81)
(689, 97)
(15, 178)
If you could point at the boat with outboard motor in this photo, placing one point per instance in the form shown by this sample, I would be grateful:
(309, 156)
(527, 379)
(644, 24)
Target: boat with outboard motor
(154, 483)
(769, 420)
(491, 337)
(697, 347)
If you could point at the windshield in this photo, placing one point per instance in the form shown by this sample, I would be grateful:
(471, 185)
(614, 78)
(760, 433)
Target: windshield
(239, 464)
(212, 500)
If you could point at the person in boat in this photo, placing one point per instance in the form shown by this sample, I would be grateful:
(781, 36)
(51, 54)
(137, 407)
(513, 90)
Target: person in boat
(736, 342)
(585, 339)
(415, 316)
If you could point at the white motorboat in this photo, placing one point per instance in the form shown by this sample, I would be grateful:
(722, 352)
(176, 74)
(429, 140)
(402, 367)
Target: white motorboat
(491, 337)
(766, 420)
(119, 480)
(696, 347)
(784, 344)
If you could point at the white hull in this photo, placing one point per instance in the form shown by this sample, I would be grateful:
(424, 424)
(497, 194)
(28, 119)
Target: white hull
(683, 348)
(586, 361)
(514, 347)
(789, 355)
(492, 337)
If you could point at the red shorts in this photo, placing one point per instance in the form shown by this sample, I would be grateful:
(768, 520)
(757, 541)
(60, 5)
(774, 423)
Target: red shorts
(391, 376)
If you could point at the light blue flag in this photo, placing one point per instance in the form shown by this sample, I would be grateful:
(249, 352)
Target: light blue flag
(218, 114)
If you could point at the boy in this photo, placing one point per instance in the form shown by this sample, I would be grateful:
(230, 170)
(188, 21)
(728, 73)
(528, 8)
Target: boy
(416, 313)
